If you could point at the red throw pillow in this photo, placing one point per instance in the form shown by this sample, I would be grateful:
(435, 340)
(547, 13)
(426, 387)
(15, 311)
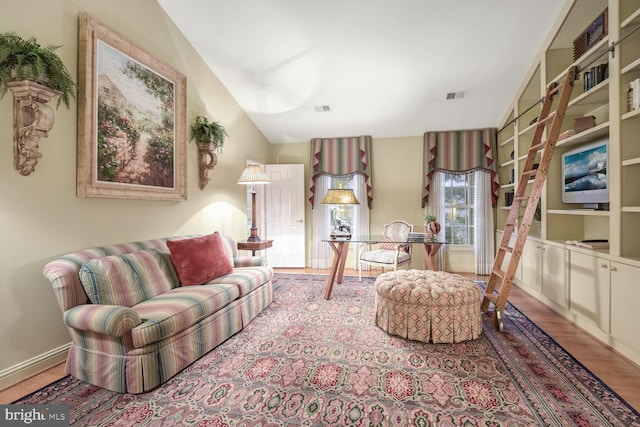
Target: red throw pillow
(200, 259)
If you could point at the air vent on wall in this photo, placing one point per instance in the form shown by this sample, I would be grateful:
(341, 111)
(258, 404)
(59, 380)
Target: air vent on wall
(322, 108)
(457, 95)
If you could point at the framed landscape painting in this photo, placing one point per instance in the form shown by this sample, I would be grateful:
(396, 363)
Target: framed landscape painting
(131, 124)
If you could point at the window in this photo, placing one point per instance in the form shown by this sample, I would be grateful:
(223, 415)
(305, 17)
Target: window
(356, 215)
(342, 216)
(459, 206)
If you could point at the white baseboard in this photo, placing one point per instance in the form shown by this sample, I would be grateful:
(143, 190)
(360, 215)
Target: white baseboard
(24, 370)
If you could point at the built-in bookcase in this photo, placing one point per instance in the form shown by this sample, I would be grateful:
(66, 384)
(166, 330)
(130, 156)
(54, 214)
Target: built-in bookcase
(580, 273)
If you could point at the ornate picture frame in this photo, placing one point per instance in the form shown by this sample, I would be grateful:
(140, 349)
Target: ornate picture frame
(131, 120)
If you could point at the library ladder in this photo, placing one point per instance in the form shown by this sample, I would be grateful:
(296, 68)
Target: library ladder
(501, 280)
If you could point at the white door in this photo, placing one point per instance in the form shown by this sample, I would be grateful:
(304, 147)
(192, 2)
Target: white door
(285, 215)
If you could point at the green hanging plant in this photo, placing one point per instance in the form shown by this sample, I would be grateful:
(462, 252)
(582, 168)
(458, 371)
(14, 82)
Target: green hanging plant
(205, 131)
(22, 59)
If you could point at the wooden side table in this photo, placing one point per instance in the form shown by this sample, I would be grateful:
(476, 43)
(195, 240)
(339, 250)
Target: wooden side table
(430, 250)
(254, 246)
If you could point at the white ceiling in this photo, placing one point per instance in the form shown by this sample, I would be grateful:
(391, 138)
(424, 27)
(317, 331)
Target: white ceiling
(384, 67)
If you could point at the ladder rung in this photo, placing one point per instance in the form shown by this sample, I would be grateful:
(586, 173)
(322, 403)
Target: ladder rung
(520, 198)
(552, 91)
(498, 272)
(506, 249)
(531, 172)
(491, 297)
(547, 119)
(539, 146)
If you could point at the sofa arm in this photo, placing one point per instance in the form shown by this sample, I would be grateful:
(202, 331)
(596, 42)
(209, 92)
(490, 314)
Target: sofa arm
(112, 320)
(248, 261)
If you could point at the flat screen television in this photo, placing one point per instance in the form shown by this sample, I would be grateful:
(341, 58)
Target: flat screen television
(585, 174)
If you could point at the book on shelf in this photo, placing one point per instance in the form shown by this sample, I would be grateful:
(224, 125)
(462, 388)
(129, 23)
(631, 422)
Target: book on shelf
(594, 76)
(508, 198)
(633, 95)
(589, 244)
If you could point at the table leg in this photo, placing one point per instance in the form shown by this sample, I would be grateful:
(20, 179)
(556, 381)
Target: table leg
(340, 250)
(343, 260)
(430, 251)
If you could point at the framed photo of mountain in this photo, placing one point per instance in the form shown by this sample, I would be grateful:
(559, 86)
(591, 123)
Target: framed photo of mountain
(131, 120)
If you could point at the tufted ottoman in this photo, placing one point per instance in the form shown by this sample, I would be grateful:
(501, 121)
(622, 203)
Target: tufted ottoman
(426, 305)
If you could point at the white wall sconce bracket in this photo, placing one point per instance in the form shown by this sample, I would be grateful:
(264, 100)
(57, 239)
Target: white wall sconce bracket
(32, 120)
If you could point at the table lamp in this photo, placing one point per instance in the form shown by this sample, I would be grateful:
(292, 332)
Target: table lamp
(253, 175)
(340, 196)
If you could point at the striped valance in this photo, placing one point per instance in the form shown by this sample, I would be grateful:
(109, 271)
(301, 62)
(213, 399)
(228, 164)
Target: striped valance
(341, 156)
(460, 151)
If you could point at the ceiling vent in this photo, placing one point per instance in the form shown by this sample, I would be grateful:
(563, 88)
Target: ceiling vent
(457, 95)
(322, 108)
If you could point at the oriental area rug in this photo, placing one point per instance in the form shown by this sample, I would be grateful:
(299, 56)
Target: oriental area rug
(305, 361)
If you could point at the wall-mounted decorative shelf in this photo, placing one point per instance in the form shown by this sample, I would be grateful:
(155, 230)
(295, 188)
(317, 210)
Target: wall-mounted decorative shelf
(207, 160)
(32, 120)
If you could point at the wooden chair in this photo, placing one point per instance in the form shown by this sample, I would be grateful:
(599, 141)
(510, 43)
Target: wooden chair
(388, 254)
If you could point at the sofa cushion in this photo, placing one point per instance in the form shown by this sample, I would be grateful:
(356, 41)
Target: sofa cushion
(246, 278)
(128, 279)
(174, 311)
(200, 259)
(113, 320)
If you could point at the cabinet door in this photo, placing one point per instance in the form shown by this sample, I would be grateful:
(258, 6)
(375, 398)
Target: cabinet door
(554, 270)
(589, 288)
(531, 265)
(625, 297)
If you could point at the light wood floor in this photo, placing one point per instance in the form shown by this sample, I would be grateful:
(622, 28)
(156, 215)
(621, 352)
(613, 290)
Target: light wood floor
(618, 373)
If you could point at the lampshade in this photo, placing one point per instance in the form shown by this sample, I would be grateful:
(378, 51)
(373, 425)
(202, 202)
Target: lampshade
(340, 196)
(254, 174)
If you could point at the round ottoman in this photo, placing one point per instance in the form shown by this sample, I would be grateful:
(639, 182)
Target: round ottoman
(426, 305)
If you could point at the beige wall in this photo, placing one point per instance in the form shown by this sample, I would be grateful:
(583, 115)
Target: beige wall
(396, 182)
(40, 215)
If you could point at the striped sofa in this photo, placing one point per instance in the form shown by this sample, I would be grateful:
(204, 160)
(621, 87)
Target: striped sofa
(131, 341)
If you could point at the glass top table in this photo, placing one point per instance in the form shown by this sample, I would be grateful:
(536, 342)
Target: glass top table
(340, 247)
